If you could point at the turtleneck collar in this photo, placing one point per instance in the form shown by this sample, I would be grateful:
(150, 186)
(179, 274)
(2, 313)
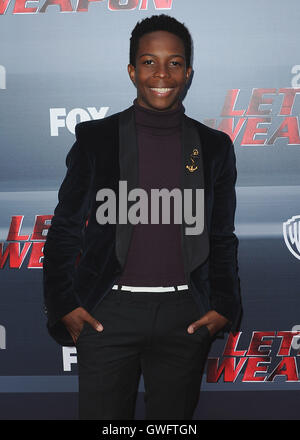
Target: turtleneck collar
(156, 122)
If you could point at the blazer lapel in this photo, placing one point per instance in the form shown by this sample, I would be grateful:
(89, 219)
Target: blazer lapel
(195, 247)
(128, 161)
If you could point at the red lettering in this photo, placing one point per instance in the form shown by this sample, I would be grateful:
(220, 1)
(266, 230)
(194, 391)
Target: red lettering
(12, 252)
(159, 4)
(254, 366)
(286, 342)
(20, 8)
(14, 230)
(84, 4)
(257, 100)
(226, 125)
(40, 226)
(115, 5)
(64, 5)
(252, 129)
(288, 100)
(287, 367)
(230, 348)
(36, 256)
(230, 100)
(3, 6)
(257, 341)
(227, 367)
(288, 129)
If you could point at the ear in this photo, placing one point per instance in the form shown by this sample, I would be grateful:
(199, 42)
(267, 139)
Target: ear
(188, 73)
(131, 72)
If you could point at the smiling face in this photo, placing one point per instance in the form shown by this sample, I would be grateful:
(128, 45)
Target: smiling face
(160, 74)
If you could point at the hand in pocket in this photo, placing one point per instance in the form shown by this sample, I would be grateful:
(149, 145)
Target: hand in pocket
(74, 322)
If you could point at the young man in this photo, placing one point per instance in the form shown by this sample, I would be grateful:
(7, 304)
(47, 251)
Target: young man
(144, 298)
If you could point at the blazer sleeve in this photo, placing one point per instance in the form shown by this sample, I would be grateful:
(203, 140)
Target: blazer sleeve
(223, 260)
(63, 243)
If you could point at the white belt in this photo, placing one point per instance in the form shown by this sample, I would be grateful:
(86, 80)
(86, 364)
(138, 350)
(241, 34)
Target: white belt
(150, 289)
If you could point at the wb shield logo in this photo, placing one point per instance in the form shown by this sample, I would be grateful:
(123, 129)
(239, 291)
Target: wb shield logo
(291, 234)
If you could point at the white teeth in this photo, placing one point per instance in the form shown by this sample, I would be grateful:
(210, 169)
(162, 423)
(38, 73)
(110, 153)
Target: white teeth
(160, 90)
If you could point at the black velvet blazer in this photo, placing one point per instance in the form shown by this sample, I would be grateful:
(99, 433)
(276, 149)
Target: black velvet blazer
(84, 259)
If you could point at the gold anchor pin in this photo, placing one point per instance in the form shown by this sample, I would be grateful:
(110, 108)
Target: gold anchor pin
(193, 157)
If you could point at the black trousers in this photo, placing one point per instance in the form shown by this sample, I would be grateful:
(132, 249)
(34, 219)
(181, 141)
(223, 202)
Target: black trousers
(144, 333)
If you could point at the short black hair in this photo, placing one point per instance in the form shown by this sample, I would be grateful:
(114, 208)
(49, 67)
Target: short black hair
(160, 22)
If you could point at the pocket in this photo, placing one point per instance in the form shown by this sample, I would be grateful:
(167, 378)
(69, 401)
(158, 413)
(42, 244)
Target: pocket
(82, 331)
(195, 306)
(201, 335)
(208, 332)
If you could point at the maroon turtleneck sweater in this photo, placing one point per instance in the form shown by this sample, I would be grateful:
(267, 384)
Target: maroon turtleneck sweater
(155, 255)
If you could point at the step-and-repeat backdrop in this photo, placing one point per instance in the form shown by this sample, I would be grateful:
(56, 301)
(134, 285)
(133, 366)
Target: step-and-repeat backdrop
(65, 61)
